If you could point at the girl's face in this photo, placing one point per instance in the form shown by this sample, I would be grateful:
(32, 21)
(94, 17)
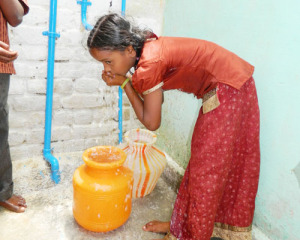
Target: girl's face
(114, 61)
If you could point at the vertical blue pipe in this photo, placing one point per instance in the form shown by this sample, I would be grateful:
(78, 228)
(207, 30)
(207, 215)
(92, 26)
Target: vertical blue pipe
(52, 35)
(120, 90)
(123, 7)
(84, 4)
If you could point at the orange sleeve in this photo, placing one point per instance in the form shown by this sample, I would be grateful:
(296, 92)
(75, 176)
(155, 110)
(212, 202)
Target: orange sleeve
(148, 76)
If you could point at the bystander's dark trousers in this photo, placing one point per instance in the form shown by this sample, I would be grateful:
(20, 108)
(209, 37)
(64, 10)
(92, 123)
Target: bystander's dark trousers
(6, 183)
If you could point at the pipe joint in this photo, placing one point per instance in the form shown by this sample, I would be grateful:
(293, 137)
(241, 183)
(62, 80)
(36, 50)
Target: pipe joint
(51, 34)
(55, 173)
(84, 4)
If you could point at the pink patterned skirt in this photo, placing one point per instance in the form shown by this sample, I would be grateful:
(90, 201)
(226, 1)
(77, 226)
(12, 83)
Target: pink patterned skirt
(217, 193)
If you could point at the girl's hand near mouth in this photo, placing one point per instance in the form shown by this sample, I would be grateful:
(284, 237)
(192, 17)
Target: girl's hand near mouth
(113, 79)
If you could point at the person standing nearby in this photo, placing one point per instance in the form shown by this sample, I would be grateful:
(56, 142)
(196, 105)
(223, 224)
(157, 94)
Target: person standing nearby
(11, 12)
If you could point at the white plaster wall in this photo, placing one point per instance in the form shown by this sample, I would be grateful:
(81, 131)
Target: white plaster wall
(85, 110)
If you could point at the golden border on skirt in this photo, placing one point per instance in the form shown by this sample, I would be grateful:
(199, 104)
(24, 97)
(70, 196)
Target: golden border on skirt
(233, 228)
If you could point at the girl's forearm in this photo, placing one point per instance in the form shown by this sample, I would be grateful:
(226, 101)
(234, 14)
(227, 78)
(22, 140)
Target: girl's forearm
(147, 110)
(136, 102)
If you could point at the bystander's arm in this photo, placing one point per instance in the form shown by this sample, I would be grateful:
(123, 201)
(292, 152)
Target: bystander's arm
(13, 11)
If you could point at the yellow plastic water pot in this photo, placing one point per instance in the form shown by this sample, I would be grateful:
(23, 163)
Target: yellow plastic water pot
(102, 189)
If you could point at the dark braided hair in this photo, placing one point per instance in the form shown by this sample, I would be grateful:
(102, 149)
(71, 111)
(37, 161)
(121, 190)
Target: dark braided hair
(113, 32)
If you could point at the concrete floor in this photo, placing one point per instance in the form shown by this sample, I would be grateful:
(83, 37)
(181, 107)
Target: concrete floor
(49, 214)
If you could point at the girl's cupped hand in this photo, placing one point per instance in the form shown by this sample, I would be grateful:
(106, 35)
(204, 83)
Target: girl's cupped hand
(112, 79)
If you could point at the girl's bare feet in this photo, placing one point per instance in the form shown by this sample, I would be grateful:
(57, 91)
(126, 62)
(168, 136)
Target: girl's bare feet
(15, 204)
(157, 227)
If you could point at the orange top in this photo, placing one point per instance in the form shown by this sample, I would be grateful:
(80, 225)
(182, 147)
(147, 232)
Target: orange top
(8, 67)
(190, 65)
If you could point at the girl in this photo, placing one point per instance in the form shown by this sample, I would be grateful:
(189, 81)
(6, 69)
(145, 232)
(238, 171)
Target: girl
(217, 194)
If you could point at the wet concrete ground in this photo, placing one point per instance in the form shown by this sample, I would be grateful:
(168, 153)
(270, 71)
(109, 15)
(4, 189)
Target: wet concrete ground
(49, 214)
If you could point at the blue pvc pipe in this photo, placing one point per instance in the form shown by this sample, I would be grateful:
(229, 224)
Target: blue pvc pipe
(121, 91)
(120, 103)
(123, 7)
(52, 35)
(84, 4)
